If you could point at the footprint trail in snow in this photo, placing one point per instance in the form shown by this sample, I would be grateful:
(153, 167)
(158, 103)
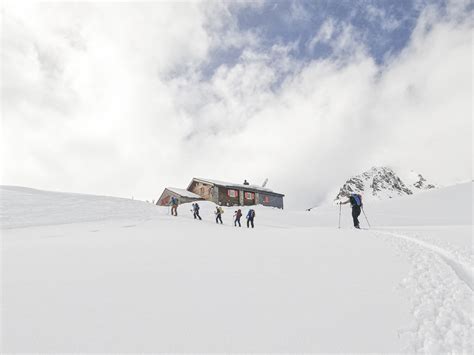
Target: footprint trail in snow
(440, 288)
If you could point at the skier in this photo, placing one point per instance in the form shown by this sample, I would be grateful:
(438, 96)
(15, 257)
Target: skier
(219, 212)
(250, 217)
(237, 216)
(356, 204)
(196, 211)
(174, 206)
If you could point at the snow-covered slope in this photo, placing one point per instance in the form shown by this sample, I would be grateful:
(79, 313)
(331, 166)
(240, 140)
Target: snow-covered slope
(98, 274)
(416, 182)
(383, 183)
(450, 205)
(24, 207)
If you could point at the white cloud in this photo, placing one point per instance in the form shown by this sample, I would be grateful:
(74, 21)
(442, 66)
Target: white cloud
(297, 13)
(109, 99)
(379, 15)
(324, 34)
(343, 38)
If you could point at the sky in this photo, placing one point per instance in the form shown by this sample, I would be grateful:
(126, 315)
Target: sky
(126, 98)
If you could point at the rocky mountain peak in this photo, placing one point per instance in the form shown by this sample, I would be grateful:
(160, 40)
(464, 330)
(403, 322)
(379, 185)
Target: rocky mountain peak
(383, 182)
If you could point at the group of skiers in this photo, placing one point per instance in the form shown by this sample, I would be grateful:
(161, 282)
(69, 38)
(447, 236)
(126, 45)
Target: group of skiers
(354, 199)
(250, 217)
(237, 216)
(219, 211)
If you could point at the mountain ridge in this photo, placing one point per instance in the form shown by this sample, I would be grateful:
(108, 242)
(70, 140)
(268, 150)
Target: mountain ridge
(383, 182)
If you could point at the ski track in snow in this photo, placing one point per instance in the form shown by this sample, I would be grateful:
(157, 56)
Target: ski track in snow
(440, 288)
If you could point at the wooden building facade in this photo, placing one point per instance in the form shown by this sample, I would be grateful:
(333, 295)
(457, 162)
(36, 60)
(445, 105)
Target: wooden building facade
(182, 195)
(231, 194)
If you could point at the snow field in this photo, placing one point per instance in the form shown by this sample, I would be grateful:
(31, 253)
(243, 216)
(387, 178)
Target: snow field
(96, 274)
(158, 290)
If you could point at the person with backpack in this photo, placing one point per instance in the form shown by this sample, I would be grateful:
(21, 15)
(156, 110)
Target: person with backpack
(250, 217)
(174, 206)
(196, 211)
(237, 216)
(356, 204)
(219, 212)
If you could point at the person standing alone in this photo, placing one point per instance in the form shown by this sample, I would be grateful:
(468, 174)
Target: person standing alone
(356, 204)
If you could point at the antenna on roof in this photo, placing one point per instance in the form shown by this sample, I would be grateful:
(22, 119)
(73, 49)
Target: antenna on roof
(265, 182)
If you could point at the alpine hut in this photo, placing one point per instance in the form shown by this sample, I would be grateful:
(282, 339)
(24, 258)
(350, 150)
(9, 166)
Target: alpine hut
(232, 194)
(182, 195)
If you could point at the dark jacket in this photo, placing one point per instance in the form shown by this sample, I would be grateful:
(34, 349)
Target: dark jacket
(353, 199)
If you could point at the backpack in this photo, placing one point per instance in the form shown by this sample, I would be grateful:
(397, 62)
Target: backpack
(221, 211)
(251, 213)
(196, 207)
(357, 199)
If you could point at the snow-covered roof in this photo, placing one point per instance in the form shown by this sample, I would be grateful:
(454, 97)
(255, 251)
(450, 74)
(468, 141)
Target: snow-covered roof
(183, 192)
(239, 186)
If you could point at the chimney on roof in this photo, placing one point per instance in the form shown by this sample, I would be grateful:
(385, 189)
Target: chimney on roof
(246, 182)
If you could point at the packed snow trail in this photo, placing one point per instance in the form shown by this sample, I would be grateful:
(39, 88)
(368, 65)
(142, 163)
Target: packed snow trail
(440, 289)
(462, 267)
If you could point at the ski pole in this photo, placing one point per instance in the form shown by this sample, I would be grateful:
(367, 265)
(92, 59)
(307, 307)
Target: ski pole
(366, 217)
(340, 206)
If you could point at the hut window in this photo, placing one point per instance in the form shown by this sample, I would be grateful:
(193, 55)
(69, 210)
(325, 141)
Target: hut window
(249, 195)
(266, 199)
(232, 193)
